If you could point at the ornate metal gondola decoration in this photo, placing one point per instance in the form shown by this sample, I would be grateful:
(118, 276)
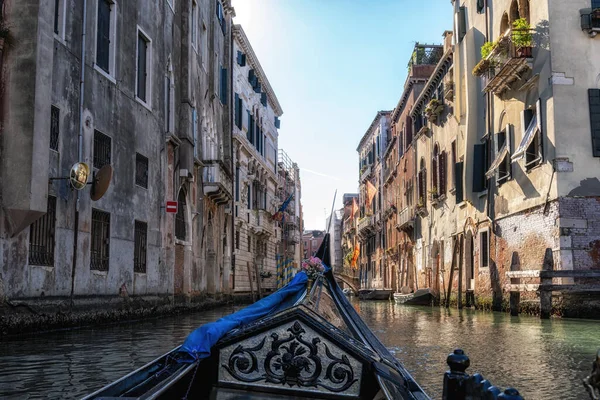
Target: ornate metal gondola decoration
(292, 360)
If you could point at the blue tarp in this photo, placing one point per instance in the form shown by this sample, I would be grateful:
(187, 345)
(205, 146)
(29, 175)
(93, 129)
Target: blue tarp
(200, 341)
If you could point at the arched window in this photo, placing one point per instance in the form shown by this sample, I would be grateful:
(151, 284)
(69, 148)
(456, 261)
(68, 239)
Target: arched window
(524, 9)
(434, 168)
(504, 24)
(180, 220)
(422, 185)
(514, 11)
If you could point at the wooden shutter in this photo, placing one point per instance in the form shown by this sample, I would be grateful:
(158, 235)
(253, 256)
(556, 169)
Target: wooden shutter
(461, 23)
(479, 167)
(223, 85)
(594, 102)
(458, 181)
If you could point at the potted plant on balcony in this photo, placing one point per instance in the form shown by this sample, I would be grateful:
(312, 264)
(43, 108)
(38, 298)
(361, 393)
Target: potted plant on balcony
(486, 63)
(433, 110)
(522, 38)
(434, 193)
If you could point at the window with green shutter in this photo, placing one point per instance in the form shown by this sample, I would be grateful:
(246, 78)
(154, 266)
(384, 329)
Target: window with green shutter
(461, 23)
(458, 181)
(479, 167)
(594, 102)
(238, 111)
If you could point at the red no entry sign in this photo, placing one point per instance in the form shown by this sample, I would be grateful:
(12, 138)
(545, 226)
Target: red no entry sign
(171, 206)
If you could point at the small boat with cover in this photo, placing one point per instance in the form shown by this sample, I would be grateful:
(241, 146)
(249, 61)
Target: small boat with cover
(305, 341)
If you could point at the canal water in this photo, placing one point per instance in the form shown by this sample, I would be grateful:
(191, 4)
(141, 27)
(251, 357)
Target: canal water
(544, 359)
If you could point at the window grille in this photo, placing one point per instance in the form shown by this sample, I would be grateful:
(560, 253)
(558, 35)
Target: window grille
(141, 242)
(141, 170)
(180, 228)
(102, 149)
(41, 237)
(54, 127)
(100, 240)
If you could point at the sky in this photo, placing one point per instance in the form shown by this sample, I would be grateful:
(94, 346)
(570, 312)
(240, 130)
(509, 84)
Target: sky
(332, 65)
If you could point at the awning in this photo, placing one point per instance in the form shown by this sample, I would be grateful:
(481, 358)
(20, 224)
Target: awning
(528, 137)
(499, 158)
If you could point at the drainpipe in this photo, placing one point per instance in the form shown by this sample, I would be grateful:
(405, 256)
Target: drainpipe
(232, 166)
(79, 146)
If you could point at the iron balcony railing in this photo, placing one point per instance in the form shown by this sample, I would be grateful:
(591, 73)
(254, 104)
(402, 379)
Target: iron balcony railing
(405, 217)
(366, 173)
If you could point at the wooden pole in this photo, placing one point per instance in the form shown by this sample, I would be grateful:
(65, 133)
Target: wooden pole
(460, 271)
(250, 280)
(546, 295)
(515, 295)
(451, 273)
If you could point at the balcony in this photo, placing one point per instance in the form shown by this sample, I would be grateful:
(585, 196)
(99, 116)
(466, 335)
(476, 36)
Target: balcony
(291, 220)
(366, 173)
(389, 211)
(292, 237)
(405, 219)
(366, 225)
(389, 173)
(349, 225)
(262, 224)
(217, 184)
(508, 61)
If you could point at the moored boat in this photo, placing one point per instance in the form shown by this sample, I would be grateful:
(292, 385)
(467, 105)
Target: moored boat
(374, 294)
(422, 297)
(304, 341)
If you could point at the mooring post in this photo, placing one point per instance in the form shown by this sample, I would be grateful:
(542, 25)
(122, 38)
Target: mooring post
(546, 295)
(515, 295)
(460, 271)
(455, 380)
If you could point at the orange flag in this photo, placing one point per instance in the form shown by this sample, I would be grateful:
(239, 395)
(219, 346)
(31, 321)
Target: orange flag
(354, 208)
(371, 191)
(355, 255)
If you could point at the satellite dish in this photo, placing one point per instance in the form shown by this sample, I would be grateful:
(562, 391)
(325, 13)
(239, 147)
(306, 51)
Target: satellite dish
(79, 175)
(101, 182)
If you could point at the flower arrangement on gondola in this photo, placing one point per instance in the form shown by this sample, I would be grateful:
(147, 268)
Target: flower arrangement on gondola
(313, 267)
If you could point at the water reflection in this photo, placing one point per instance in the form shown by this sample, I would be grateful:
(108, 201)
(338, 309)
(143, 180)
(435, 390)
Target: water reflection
(543, 359)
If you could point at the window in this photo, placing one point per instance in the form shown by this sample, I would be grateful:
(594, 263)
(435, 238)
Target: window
(54, 127)
(194, 22)
(480, 6)
(479, 167)
(180, 223)
(223, 86)
(169, 99)
(442, 173)
(141, 170)
(453, 161)
(594, 105)
(484, 249)
(143, 67)
(100, 246)
(534, 153)
(237, 183)
(435, 170)
(59, 18)
(595, 4)
(221, 16)
(106, 36)
(241, 59)
(503, 149)
(249, 243)
(102, 150)
(263, 99)
(237, 239)
(248, 195)
(458, 181)
(195, 133)
(461, 23)
(250, 131)
(239, 106)
(140, 242)
(41, 236)
(422, 184)
(277, 123)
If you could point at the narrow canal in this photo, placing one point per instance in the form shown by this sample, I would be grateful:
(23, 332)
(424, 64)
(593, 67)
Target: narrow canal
(544, 359)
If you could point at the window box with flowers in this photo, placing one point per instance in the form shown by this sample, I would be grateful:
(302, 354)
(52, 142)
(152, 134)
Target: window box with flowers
(433, 110)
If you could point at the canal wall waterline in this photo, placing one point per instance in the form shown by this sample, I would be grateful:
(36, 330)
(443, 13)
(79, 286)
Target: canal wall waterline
(566, 306)
(35, 315)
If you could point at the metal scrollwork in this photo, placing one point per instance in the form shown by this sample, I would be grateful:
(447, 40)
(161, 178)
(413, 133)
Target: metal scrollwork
(243, 362)
(294, 361)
